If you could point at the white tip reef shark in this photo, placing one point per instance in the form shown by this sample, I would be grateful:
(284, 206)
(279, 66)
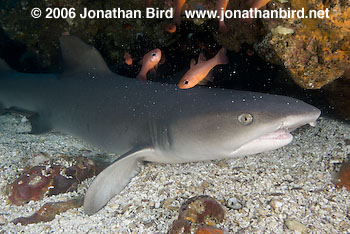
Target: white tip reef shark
(146, 121)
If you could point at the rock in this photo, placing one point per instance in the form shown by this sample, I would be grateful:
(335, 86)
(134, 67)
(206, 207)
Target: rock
(342, 179)
(198, 215)
(296, 226)
(276, 205)
(233, 203)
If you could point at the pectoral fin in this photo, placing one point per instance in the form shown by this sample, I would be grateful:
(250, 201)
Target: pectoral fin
(113, 179)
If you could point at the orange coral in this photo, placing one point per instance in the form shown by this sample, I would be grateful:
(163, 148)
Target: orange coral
(259, 3)
(198, 214)
(209, 230)
(319, 50)
(343, 176)
(48, 211)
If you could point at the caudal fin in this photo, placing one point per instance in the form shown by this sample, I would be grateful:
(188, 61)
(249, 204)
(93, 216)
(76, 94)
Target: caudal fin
(142, 77)
(112, 180)
(221, 57)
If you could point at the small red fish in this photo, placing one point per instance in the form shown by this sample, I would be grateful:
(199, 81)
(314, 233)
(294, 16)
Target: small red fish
(149, 62)
(128, 59)
(178, 10)
(170, 28)
(199, 71)
(221, 6)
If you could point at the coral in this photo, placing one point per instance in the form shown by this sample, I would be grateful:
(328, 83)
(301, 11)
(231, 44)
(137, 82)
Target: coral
(36, 181)
(314, 51)
(342, 179)
(31, 185)
(48, 211)
(198, 214)
(338, 95)
(209, 230)
(318, 50)
(240, 30)
(202, 209)
(41, 35)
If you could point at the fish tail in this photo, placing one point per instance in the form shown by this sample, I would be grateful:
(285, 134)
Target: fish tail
(141, 77)
(221, 57)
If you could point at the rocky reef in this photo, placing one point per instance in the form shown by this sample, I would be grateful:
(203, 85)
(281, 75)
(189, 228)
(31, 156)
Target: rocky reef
(313, 51)
(316, 51)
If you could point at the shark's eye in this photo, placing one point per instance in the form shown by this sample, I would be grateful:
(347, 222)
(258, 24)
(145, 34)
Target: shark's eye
(245, 118)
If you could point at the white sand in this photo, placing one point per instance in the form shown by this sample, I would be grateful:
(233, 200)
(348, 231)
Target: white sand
(296, 179)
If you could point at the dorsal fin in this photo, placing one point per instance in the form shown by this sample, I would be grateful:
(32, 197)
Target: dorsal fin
(4, 66)
(80, 57)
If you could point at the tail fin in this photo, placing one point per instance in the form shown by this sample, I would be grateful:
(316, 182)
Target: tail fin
(113, 179)
(221, 57)
(142, 77)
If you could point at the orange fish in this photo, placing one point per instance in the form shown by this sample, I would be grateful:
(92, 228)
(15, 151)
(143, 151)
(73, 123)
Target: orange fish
(178, 10)
(221, 6)
(128, 59)
(259, 3)
(149, 62)
(199, 71)
(170, 28)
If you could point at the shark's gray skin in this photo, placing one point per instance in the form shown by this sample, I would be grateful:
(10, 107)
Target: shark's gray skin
(147, 121)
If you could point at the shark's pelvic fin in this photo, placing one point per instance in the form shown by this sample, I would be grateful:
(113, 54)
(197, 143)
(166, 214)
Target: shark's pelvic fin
(113, 179)
(80, 57)
(39, 125)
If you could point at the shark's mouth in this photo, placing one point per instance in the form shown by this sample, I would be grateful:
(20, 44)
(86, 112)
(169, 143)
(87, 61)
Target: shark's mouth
(278, 135)
(270, 141)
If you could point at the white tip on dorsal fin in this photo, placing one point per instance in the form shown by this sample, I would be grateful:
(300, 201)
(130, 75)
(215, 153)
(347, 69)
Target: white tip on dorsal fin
(80, 57)
(4, 66)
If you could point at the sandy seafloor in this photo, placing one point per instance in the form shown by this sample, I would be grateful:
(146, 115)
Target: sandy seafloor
(296, 178)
